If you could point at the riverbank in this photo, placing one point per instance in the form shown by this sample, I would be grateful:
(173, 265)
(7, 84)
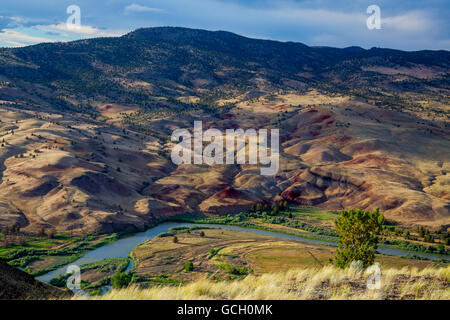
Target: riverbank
(232, 252)
(47, 258)
(165, 262)
(290, 223)
(39, 255)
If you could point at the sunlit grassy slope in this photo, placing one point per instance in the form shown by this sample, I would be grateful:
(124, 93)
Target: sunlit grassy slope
(324, 283)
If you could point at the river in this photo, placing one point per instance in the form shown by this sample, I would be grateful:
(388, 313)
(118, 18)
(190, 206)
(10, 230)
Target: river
(122, 247)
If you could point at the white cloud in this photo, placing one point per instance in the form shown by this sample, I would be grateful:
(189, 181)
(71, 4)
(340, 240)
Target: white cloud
(413, 21)
(81, 31)
(52, 33)
(136, 8)
(17, 39)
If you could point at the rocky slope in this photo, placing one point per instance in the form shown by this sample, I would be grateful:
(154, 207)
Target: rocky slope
(18, 285)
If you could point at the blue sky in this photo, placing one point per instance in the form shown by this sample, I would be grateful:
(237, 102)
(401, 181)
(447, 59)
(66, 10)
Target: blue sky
(405, 24)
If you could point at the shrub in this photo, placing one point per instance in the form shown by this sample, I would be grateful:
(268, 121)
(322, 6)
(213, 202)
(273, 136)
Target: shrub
(428, 238)
(238, 271)
(188, 266)
(95, 292)
(212, 252)
(121, 280)
(234, 270)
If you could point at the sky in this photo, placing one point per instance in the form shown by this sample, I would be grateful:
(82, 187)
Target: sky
(404, 24)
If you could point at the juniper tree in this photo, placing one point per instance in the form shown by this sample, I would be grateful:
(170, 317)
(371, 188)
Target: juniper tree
(358, 236)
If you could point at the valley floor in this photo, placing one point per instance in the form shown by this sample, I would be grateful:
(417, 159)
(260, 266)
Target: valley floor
(310, 283)
(220, 254)
(221, 258)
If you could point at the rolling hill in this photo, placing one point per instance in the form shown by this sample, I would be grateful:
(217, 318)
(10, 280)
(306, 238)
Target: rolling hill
(85, 128)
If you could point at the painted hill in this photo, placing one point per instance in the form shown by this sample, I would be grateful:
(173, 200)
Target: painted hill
(85, 128)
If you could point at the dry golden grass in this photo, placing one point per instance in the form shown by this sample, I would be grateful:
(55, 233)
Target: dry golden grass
(324, 283)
